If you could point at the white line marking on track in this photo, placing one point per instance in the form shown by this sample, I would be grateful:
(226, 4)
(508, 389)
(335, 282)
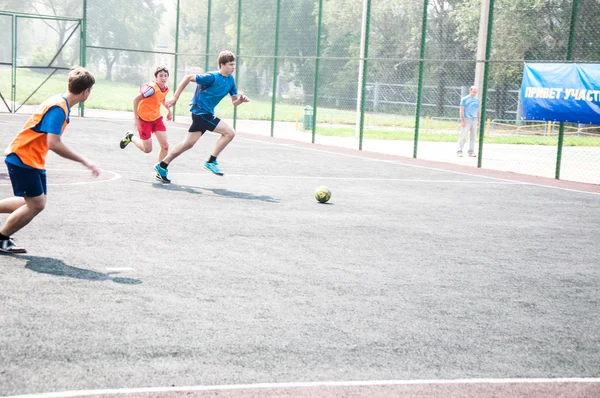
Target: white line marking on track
(399, 163)
(115, 176)
(502, 182)
(306, 385)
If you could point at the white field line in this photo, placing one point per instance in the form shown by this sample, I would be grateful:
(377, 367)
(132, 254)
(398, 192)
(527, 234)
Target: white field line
(305, 385)
(399, 163)
(115, 176)
(292, 177)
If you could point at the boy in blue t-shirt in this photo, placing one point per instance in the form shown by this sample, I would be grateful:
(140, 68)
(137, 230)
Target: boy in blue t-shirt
(211, 88)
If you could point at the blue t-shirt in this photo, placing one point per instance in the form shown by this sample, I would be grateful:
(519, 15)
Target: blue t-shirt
(471, 105)
(51, 123)
(210, 90)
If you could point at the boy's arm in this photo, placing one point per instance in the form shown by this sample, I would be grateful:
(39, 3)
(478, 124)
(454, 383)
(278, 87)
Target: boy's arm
(462, 115)
(57, 146)
(169, 114)
(239, 99)
(182, 85)
(136, 117)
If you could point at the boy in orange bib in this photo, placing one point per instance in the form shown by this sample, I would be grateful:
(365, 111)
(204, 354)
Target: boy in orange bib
(146, 115)
(26, 156)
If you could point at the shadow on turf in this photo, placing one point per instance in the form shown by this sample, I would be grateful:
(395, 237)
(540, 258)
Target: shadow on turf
(53, 266)
(216, 191)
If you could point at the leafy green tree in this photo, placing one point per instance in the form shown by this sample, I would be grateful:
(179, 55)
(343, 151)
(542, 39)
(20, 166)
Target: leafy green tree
(587, 39)
(63, 8)
(130, 24)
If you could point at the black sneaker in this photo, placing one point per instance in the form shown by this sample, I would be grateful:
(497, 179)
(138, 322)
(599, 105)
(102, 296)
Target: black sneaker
(9, 246)
(126, 140)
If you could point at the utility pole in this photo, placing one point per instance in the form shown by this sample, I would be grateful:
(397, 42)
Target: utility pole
(481, 43)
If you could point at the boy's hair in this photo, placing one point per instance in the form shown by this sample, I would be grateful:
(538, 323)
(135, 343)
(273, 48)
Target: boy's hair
(226, 57)
(80, 79)
(161, 69)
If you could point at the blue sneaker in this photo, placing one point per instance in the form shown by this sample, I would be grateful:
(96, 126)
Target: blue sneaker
(214, 167)
(161, 174)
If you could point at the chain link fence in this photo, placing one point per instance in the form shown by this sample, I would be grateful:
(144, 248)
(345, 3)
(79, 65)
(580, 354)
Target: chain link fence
(312, 74)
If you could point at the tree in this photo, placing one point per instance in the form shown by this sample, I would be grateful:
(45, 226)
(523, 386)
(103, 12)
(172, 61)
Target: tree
(63, 8)
(122, 25)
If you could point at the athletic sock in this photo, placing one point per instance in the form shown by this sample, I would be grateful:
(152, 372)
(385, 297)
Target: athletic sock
(212, 159)
(4, 237)
(164, 165)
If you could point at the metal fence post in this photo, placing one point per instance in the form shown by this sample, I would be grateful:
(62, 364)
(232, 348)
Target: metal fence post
(364, 58)
(486, 70)
(237, 54)
(317, 65)
(275, 68)
(207, 61)
(176, 54)
(83, 51)
(420, 83)
(13, 94)
(561, 128)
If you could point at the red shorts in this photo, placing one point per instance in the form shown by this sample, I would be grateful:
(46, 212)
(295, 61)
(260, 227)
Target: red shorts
(147, 128)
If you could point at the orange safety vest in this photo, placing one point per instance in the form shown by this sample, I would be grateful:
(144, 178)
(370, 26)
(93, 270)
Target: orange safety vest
(29, 145)
(149, 108)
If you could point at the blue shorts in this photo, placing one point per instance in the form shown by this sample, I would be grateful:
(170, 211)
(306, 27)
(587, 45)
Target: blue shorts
(203, 122)
(27, 182)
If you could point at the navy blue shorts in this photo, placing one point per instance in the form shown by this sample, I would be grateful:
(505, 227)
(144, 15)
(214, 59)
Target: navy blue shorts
(203, 122)
(27, 182)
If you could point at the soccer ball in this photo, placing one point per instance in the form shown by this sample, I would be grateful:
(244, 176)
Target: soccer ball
(322, 194)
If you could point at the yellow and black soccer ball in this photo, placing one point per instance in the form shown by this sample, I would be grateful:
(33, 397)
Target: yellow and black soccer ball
(322, 194)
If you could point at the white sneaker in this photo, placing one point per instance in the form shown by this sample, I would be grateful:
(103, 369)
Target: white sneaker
(9, 246)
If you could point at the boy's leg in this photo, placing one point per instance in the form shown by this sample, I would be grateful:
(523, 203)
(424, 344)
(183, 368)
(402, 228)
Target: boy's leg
(227, 134)
(144, 142)
(195, 131)
(472, 131)
(188, 143)
(144, 145)
(130, 137)
(461, 139)
(161, 137)
(23, 215)
(9, 205)
(29, 187)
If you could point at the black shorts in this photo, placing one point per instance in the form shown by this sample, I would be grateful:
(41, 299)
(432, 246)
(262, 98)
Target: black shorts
(27, 182)
(203, 122)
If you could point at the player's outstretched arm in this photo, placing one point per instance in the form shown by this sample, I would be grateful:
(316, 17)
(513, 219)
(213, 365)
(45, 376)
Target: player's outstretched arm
(57, 146)
(182, 85)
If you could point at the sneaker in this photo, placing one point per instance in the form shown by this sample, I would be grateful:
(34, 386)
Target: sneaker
(126, 140)
(472, 155)
(9, 246)
(161, 174)
(214, 167)
(459, 154)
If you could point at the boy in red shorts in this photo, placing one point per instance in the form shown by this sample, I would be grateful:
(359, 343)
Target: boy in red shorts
(146, 115)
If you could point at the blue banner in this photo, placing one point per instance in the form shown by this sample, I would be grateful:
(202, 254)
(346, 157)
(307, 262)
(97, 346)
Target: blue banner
(561, 92)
